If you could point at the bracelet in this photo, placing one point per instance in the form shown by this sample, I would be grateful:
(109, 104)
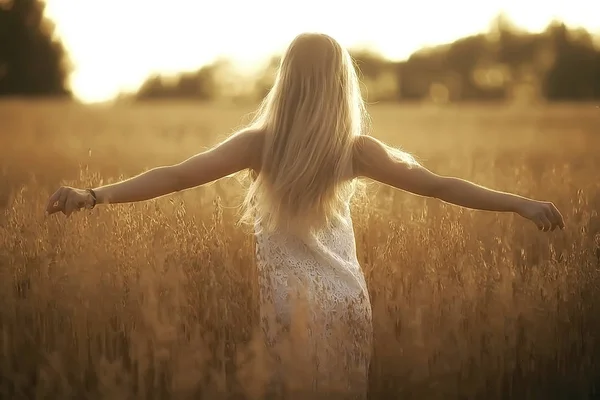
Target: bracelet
(91, 191)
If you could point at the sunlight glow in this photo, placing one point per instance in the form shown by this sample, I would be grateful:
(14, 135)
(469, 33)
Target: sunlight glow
(115, 45)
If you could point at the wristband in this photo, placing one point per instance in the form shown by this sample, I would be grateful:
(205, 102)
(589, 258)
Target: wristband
(91, 191)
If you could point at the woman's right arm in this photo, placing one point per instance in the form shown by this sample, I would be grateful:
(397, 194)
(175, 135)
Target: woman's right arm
(240, 151)
(376, 160)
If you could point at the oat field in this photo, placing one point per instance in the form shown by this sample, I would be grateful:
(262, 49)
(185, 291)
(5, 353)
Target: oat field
(158, 300)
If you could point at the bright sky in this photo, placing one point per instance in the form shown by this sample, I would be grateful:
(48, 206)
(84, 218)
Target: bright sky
(116, 44)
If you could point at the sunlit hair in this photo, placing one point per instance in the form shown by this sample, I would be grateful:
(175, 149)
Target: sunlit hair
(310, 119)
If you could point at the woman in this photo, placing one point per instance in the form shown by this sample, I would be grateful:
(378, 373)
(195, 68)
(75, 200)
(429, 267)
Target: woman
(305, 149)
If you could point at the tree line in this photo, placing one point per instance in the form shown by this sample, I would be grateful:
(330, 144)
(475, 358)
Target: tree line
(504, 63)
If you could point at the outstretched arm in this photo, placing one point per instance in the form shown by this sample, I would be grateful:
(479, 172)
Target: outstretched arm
(375, 160)
(239, 152)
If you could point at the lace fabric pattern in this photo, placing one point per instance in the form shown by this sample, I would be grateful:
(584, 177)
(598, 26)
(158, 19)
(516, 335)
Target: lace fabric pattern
(315, 309)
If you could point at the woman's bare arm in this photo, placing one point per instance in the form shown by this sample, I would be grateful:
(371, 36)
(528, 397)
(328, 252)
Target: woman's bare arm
(375, 160)
(239, 152)
(234, 154)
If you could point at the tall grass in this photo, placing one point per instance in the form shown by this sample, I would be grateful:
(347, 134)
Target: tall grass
(159, 299)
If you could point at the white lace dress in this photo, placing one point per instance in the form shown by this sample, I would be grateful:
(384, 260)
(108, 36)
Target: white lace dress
(315, 310)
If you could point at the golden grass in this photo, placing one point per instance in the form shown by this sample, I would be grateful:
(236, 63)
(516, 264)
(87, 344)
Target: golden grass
(159, 299)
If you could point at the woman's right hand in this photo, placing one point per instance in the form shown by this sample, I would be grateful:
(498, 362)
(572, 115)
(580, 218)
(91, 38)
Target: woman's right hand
(543, 214)
(68, 199)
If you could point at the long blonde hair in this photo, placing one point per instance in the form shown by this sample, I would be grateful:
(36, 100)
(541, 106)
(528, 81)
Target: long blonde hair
(310, 119)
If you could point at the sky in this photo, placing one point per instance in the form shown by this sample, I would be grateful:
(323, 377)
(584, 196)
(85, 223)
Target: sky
(115, 45)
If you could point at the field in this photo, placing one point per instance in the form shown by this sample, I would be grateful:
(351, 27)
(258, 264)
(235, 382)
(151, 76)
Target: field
(158, 300)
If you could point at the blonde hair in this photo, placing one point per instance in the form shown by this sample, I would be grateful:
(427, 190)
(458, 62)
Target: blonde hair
(310, 120)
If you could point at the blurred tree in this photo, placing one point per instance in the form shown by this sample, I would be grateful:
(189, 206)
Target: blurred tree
(379, 82)
(575, 74)
(505, 64)
(32, 61)
(198, 85)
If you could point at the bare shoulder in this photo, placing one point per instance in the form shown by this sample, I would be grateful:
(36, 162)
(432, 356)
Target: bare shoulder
(250, 137)
(249, 143)
(368, 152)
(372, 158)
